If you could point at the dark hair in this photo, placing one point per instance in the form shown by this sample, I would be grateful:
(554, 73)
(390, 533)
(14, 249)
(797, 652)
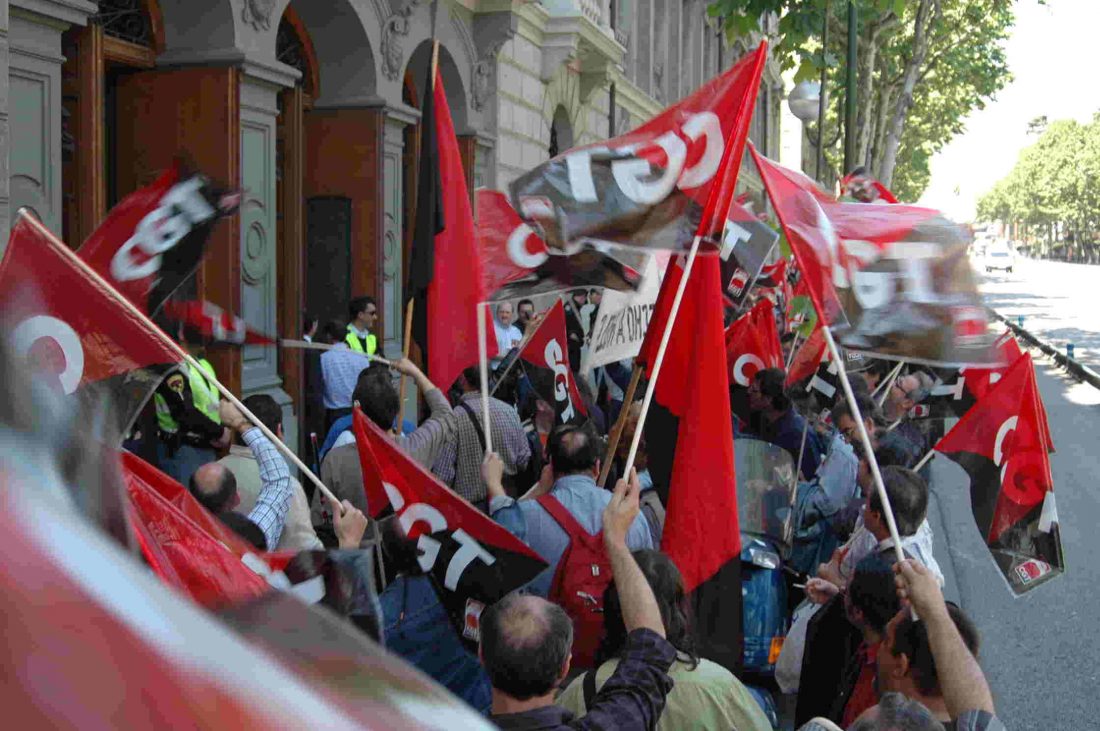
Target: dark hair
(897, 712)
(908, 495)
(525, 641)
(772, 383)
(244, 528)
(333, 331)
(472, 376)
(266, 410)
(523, 302)
(216, 501)
(668, 588)
(359, 304)
(866, 406)
(872, 590)
(376, 395)
(572, 449)
(911, 640)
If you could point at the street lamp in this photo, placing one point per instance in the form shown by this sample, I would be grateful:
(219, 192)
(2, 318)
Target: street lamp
(808, 104)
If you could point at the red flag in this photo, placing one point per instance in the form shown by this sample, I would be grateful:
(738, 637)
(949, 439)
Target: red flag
(445, 321)
(545, 359)
(889, 279)
(657, 185)
(472, 560)
(752, 344)
(1000, 443)
(155, 238)
(701, 531)
(213, 323)
(517, 263)
(73, 329)
(808, 357)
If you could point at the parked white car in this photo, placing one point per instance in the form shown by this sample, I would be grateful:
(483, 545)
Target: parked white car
(1000, 257)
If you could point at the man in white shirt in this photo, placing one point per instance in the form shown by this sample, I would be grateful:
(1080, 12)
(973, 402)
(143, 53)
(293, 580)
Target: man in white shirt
(508, 335)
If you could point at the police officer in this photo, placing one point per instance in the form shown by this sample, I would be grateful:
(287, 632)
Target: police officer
(363, 314)
(189, 428)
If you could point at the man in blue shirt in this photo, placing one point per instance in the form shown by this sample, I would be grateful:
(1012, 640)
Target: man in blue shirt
(775, 420)
(575, 462)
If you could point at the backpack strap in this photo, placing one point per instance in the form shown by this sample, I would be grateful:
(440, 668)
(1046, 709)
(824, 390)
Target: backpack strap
(477, 425)
(589, 687)
(567, 522)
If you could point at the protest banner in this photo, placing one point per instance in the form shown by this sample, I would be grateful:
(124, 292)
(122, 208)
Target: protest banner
(622, 321)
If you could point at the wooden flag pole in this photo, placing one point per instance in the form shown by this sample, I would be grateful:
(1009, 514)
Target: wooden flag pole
(620, 424)
(924, 460)
(788, 528)
(886, 384)
(184, 355)
(405, 354)
(483, 364)
(794, 350)
(865, 438)
(660, 359)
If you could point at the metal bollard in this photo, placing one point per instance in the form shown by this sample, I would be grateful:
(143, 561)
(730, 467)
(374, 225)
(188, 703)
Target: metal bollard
(1069, 350)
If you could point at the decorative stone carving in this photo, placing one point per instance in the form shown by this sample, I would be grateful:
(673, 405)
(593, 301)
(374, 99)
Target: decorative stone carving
(257, 13)
(394, 29)
(659, 82)
(491, 32)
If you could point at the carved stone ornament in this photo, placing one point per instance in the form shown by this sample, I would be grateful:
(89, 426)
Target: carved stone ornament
(394, 29)
(257, 13)
(484, 74)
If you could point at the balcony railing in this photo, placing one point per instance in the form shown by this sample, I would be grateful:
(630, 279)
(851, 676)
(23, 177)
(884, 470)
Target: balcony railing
(597, 11)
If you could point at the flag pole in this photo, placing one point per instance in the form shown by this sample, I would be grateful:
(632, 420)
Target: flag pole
(788, 528)
(172, 345)
(660, 359)
(887, 383)
(405, 354)
(620, 424)
(865, 438)
(794, 350)
(925, 460)
(483, 364)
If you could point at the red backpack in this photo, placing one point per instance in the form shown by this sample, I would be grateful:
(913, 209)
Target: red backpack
(583, 574)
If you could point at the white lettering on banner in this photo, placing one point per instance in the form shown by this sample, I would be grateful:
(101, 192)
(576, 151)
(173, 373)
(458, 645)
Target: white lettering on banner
(998, 444)
(630, 172)
(955, 391)
(820, 384)
(875, 289)
(555, 360)
(517, 248)
(33, 329)
(469, 549)
(181, 208)
(733, 235)
(739, 375)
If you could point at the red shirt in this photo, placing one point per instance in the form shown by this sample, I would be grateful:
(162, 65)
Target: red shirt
(863, 693)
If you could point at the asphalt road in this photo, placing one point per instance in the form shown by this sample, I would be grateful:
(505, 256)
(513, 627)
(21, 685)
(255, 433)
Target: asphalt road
(1041, 652)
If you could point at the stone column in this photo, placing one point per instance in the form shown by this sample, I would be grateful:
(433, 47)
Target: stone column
(33, 103)
(393, 227)
(5, 185)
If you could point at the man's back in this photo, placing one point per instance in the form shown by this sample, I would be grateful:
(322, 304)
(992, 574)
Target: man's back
(340, 369)
(298, 534)
(459, 461)
(578, 494)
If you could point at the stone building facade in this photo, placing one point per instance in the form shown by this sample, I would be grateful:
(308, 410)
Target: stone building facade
(311, 107)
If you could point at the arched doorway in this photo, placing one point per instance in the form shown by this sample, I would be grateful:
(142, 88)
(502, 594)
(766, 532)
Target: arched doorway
(561, 132)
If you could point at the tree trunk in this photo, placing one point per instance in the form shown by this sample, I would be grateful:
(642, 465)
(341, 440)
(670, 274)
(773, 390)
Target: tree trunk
(927, 15)
(868, 108)
(884, 106)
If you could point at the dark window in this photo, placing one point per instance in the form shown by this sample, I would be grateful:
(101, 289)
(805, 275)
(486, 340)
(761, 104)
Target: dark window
(125, 20)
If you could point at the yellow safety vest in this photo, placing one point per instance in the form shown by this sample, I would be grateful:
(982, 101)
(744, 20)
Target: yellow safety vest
(357, 345)
(204, 395)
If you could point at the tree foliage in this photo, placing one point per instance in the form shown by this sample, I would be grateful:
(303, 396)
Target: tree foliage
(1054, 188)
(924, 65)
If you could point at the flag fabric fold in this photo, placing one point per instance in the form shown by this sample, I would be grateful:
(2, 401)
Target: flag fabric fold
(73, 330)
(1000, 443)
(752, 344)
(890, 280)
(471, 559)
(656, 186)
(445, 277)
(544, 358)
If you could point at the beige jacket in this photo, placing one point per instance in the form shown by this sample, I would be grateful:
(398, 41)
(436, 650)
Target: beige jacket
(298, 534)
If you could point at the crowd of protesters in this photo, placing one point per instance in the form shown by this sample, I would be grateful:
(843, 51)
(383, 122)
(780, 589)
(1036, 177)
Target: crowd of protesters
(874, 645)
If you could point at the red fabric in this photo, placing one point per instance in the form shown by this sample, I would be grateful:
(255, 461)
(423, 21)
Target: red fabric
(701, 532)
(510, 248)
(457, 285)
(752, 344)
(547, 350)
(980, 381)
(809, 356)
(863, 694)
(1005, 427)
(214, 323)
(63, 321)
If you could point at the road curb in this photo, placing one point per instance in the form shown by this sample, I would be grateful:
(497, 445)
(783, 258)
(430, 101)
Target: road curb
(1079, 370)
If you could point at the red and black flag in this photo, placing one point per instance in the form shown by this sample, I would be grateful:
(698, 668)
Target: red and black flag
(747, 245)
(656, 186)
(471, 559)
(544, 357)
(808, 358)
(74, 329)
(890, 280)
(213, 324)
(1001, 444)
(445, 278)
(153, 240)
(752, 344)
(517, 263)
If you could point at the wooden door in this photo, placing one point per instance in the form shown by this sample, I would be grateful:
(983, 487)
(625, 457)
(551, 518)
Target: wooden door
(157, 115)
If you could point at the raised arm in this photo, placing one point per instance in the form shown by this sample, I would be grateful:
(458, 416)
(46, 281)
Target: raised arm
(274, 499)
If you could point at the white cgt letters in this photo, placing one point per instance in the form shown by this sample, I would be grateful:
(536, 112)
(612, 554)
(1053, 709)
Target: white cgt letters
(429, 547)
(555, 360)
(739, 375)
(181, 208)
(33, 329)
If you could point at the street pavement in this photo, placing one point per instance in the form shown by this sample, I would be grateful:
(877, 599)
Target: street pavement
(1041, 652)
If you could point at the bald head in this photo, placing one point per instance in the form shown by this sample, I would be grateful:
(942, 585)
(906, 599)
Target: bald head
(573, 450)
(215, 487)
(525, 645)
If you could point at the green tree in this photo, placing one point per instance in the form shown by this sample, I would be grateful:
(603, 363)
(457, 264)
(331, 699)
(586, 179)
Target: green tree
(924, 65)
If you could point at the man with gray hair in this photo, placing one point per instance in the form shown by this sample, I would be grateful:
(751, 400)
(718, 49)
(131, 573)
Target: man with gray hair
(526, 644)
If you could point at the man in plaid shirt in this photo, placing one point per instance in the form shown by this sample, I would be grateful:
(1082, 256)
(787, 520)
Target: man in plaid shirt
(215, 487)
(526, 642)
